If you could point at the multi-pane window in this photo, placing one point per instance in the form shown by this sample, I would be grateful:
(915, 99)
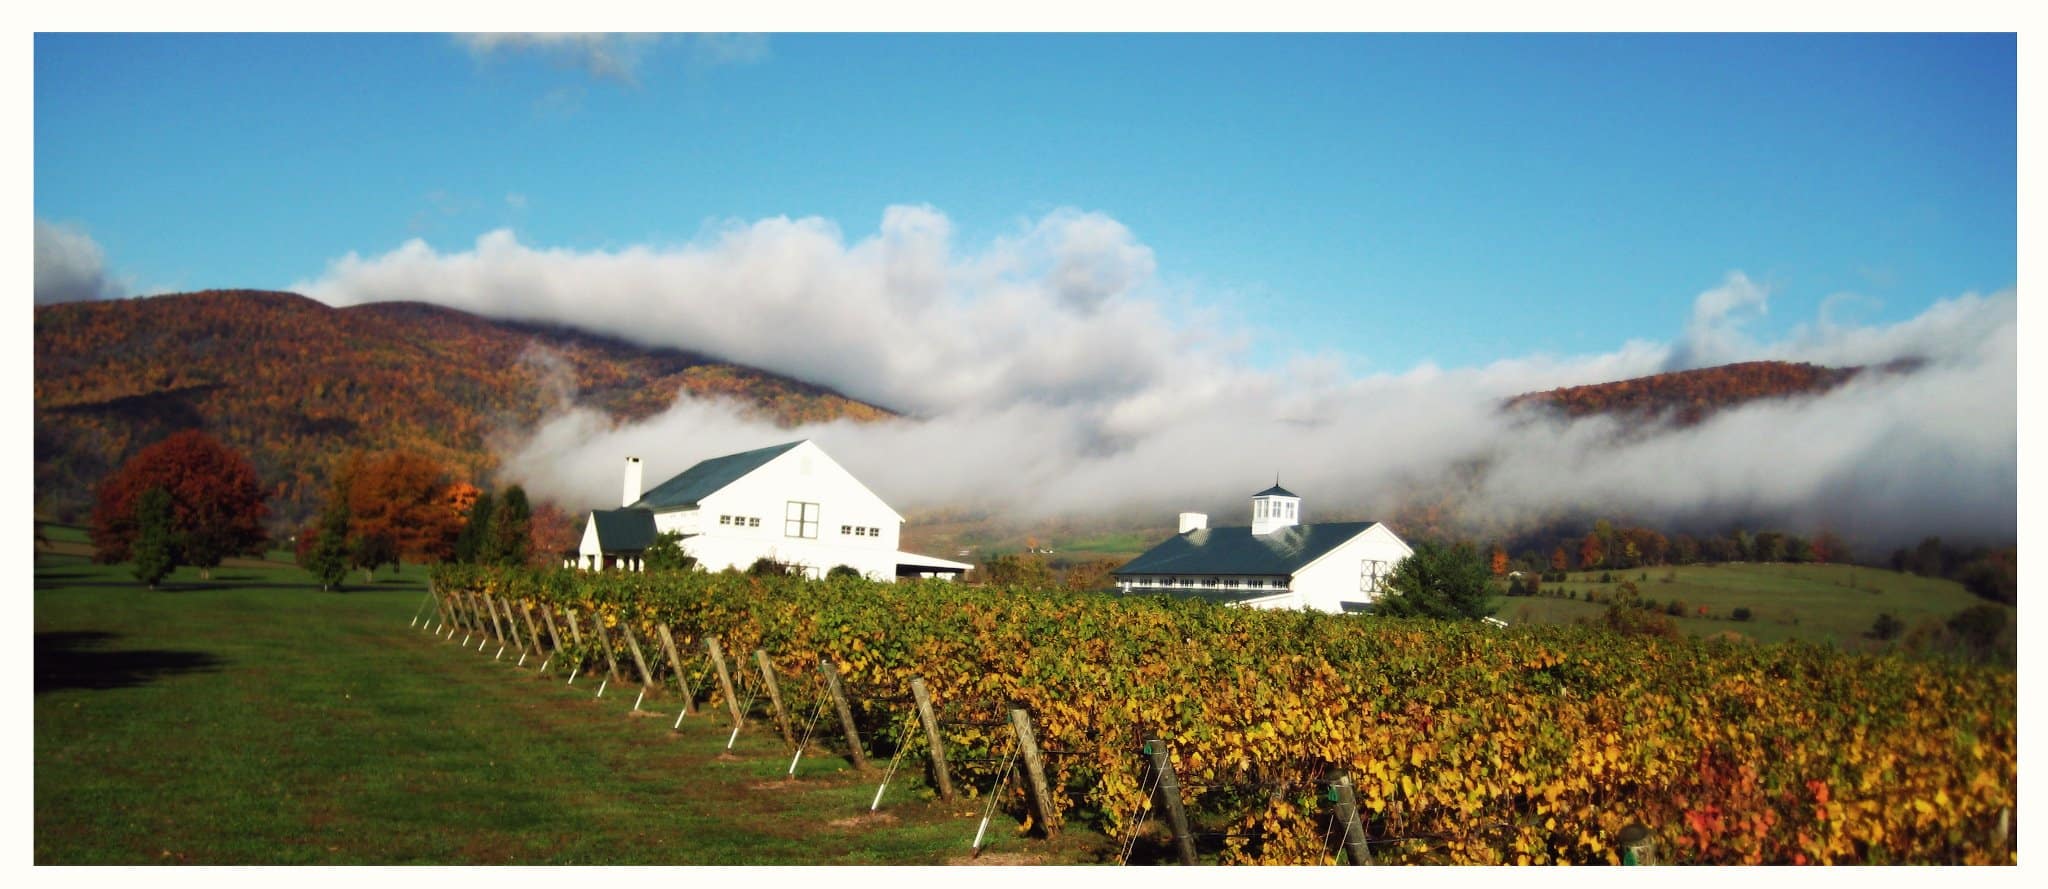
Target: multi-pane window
(800, 519)
(1371, 573)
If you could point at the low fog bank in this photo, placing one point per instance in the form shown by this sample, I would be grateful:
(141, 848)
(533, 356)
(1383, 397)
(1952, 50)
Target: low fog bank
(1053, 374)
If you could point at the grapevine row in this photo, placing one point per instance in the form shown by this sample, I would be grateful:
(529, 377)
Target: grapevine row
(1467, 743)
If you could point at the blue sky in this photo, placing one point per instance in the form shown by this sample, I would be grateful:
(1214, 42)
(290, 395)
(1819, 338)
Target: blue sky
(1386, 199)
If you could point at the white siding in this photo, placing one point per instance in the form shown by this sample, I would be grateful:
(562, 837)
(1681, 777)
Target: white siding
(587, 553)
(1334, 579)
(803, 474)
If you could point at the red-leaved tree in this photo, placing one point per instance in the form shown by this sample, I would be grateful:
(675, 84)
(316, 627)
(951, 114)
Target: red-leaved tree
(1591, 551)
(553, 532)
(217, 508)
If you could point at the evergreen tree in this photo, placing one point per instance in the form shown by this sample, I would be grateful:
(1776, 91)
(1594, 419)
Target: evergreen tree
(1438, 581)
(154, 550)
(508, 539)
(328, 558)
(666, 553)
(469, 544)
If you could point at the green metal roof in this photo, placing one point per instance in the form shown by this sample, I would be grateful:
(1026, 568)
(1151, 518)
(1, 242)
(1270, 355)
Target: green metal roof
(704, 479)
(623, 530)
(1237, 551)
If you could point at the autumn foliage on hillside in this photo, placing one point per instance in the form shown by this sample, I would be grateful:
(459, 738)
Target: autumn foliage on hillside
(297, 385)
(1689, 396)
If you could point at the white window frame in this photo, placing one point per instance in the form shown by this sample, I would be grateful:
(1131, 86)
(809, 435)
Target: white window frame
(1372, 575)
(800, 520)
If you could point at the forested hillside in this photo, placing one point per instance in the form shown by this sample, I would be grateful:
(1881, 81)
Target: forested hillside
(296, 384)
(1689, 396)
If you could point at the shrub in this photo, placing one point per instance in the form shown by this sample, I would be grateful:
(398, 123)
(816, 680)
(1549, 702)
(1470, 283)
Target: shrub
(767, 567)
(1741, 613)
(1885, 628)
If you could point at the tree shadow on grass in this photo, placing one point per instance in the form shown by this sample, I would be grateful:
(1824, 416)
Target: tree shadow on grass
(68, 660)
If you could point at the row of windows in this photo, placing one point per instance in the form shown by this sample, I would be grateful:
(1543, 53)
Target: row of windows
(799, 519)
(1275, 509)
(1228, 583)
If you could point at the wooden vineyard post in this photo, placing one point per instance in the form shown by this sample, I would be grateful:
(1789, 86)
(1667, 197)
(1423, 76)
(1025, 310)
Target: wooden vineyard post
(1166, 795)
(1638, 845)
(469, 614)
(1345, 797)
(532, 631)
(476, 614)
(604, 641)
(639, 661)
(1034, 772)
(937, 748)
(547, 613)
(497, 628)
(668, 644)
(575, 632)
(831, 673)
(511, 625)
(774, 695)
(732, 701)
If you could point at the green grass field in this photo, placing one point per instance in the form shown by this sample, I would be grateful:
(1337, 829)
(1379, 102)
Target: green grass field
(256, 720)
(1817, 603)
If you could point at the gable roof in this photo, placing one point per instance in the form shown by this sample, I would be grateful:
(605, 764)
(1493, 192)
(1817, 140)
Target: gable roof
(1239, 551)
(1277, 491)
(623, 530)
(705, 478)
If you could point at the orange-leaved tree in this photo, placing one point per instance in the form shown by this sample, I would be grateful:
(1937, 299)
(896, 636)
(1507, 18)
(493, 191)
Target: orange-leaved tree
(400, 508)
(217, 507)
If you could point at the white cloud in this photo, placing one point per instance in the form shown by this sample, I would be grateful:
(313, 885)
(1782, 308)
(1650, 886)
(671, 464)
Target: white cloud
(70, 267)
(1714, 333)
(1052, 372)
(616, 56)
(1046, 315)
(605, 56)
(728, 49)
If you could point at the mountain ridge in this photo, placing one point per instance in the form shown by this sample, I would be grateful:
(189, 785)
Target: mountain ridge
(296, 384)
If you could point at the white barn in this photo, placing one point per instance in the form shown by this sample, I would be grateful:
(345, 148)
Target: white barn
(1276, 562)
(790, 503)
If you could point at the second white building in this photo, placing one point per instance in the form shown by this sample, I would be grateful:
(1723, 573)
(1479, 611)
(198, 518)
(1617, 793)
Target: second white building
(1275, 562)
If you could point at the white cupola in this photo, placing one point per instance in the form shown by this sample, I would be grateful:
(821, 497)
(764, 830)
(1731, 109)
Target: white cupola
(1274, 508)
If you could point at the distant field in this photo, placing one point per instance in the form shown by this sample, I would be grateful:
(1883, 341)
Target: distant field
(74, 540)
(1816, 603)
(1128, 545)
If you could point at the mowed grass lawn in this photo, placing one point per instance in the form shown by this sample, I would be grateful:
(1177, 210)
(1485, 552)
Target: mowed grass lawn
(254, 719)
(1816, 603)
